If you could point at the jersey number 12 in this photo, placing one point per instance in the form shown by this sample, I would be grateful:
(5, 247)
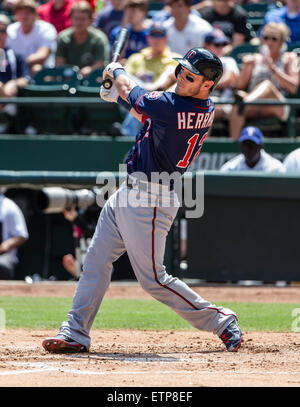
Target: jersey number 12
(185, 162)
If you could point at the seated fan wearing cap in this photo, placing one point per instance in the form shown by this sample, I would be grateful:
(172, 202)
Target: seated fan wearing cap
(253, 156)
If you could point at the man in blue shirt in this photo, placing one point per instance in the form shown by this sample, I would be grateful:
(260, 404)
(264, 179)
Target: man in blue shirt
(14, 75)
(13, 69)
(139, 215)
(290, 15)
(110, 17)
(135, 13)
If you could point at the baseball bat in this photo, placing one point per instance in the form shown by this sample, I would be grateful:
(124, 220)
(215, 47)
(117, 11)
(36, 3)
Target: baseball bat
(118, 46)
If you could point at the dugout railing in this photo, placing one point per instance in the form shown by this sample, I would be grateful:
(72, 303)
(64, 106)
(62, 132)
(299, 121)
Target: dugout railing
(248, 230)
(90, 115)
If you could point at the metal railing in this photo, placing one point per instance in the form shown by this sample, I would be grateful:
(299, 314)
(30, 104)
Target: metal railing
(294, 104)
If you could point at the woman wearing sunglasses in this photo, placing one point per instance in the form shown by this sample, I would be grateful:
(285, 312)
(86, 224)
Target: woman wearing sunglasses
(271, 73)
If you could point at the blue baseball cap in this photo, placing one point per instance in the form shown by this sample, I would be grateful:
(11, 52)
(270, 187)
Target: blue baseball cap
(252, 134)
(216, 36)
(157, 29)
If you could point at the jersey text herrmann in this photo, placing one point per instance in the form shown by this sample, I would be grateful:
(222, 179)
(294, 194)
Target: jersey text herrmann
(192, 120)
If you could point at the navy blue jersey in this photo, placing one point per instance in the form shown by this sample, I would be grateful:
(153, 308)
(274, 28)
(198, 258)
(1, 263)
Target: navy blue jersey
(173, 132)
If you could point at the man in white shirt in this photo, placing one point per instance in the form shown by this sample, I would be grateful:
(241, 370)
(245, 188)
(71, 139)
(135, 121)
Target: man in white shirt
(253, 155)
(185, 30)
(13, 233)
(34, 39)
(292, 161)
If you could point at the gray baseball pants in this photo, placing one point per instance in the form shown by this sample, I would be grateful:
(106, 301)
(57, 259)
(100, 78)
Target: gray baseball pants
(142, 231)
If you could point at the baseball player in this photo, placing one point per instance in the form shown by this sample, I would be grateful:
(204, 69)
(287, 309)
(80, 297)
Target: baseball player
(176, 124)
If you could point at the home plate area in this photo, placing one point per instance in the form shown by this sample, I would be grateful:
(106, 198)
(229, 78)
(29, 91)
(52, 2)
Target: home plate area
(151, 358)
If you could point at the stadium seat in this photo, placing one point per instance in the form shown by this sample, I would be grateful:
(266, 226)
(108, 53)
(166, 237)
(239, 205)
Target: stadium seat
(239, 51)
(93, 79)
(294, 46)
(60, 75)
(44, 119)
(256, 12)
(94, 119)
(153, 7)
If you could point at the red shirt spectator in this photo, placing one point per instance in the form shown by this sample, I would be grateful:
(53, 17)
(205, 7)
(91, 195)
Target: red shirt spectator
(56, 12)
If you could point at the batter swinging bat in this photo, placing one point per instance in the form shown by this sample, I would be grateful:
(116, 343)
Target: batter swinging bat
(118, 46)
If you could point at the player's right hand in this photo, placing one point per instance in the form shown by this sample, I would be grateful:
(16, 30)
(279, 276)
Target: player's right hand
(109, 95)
(109, 70)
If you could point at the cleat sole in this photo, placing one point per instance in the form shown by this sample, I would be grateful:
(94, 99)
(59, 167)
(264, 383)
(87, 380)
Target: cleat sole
(61, 346)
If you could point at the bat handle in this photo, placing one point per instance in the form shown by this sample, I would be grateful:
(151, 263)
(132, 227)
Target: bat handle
(107, 83)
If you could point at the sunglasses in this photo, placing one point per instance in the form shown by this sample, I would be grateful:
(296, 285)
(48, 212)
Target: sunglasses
(267, 37)
(157, 34)
(3, 31)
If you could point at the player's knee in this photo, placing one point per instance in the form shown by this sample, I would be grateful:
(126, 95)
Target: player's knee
(150, 286)
(153, 287)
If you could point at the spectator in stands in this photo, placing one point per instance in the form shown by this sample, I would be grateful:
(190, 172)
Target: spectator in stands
(56, 12)
(165, 13)
(271, 73)
(229, 18)
(7, 7)
(14, 75)
(288, 14)
(34, 39)
(292, 161)
(110, 17)
(185, 29)
(82, 44)
(84, 224)
(216, 42)
(253, 156)
(135, 13)
(92, 4)
(83, 230)
(150, 66)
(13, 234)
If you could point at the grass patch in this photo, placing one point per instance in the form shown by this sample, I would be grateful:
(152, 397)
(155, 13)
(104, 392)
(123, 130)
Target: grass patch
(48, 313)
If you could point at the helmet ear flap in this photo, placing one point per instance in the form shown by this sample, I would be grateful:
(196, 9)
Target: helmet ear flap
(177, 70)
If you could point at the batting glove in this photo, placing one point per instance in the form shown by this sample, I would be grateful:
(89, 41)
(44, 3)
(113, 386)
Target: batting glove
(109, 95)
(110, 68)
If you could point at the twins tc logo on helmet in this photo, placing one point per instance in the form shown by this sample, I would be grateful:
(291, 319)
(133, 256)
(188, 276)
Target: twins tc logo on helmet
(191, 54)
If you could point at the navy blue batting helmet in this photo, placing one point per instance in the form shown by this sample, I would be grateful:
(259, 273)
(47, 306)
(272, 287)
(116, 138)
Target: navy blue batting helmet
(200, 61)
